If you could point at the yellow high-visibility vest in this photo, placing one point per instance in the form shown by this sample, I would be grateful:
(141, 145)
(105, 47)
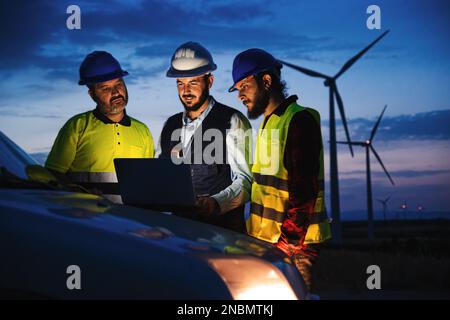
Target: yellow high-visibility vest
(270, 194)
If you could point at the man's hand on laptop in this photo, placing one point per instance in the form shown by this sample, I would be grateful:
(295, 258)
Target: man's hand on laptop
(208, 206)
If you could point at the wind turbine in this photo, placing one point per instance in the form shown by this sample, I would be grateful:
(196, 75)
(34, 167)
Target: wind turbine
(369, 147)
(384, 204)
(404, 208)
(420, 209)
(330, 81)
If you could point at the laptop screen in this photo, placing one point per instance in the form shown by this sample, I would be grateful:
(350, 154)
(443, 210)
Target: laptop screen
(155, 183)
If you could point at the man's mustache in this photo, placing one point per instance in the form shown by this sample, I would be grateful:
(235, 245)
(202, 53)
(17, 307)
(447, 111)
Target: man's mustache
(116, 98)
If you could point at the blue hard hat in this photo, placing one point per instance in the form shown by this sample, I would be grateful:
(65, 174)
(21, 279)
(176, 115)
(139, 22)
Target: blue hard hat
(100, 66)
(251, 62)
(190, 59)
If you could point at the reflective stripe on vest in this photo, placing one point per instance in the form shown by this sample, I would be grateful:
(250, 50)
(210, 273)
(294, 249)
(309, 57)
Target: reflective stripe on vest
(106, 182)
(273, 181)
(270, 195)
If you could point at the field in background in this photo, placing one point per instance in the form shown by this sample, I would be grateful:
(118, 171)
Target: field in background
(413, 255)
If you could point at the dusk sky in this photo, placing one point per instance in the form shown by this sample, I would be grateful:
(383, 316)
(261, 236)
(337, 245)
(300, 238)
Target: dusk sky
(408, 70)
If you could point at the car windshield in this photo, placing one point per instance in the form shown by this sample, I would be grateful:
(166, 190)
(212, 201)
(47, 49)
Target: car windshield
(19, 170)
(13, 158)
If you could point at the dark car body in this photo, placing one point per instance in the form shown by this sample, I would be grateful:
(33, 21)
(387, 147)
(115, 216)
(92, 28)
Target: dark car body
(123, 252)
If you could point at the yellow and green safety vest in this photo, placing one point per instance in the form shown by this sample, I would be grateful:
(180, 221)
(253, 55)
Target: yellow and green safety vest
(270, 193)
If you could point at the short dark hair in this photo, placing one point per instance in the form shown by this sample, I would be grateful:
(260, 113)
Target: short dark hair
(278, 87)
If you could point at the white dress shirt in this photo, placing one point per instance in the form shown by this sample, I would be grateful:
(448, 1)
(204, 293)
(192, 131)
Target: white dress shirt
(239, 149)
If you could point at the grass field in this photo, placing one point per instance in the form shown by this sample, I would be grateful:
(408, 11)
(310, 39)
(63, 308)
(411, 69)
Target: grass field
(414, 258)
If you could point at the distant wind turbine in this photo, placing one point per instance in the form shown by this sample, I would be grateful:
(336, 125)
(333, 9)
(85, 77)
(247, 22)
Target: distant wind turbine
(369, 147)
(330, 81)
(404, 208)
(420, 209)
(384, 204)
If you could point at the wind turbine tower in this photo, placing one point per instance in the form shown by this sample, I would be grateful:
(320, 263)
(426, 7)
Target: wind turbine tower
(369, 147)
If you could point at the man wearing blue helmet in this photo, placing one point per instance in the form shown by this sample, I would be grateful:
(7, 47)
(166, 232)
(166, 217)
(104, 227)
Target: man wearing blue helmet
(86, 145)
(213, 138)
(287, 200)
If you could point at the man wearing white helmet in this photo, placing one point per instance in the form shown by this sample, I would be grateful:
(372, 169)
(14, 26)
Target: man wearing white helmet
(215, 139)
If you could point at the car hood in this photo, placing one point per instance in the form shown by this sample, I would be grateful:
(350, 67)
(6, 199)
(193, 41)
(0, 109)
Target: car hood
(155, 228)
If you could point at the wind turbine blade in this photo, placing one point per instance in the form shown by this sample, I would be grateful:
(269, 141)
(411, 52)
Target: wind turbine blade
(304, 70)
(350, 62)
(382, 165)
(362, 144)
(374, 130)
(342, 111)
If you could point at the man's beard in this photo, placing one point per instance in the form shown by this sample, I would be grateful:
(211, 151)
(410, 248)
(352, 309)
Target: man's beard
(259, 105)
(118, 108)
(201, 101)
(113, 109)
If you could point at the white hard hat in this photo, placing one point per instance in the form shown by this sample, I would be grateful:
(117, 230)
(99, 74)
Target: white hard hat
(190, 60)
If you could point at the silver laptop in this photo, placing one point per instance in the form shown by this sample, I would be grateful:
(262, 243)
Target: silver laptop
(157, 184)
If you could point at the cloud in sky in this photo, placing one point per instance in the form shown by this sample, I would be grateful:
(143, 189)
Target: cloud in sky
(146, 29)
(399, 173)
(419, 168)
(143, 35)
(424, 125)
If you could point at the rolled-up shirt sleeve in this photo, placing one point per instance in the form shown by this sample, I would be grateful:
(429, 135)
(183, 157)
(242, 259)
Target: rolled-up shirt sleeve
(239, 154)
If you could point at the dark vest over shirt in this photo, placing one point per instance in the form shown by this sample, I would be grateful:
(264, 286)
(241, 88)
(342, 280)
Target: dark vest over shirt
(207, 179)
